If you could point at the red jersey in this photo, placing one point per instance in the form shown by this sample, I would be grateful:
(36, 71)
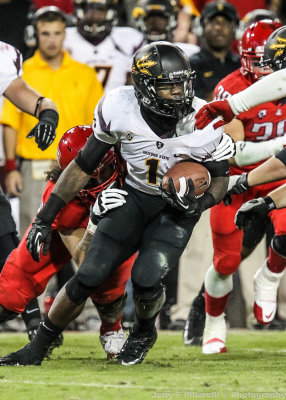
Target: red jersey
(24, 279)
(73, 216)
(264, 122)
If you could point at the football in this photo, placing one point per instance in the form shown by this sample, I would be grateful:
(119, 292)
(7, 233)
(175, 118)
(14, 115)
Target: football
(185, 170)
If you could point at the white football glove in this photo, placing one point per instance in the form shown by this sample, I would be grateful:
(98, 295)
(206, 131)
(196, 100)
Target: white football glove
(106, 201)
(225, 149)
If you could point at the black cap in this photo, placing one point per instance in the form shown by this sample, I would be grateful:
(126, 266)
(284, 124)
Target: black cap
(223, 8)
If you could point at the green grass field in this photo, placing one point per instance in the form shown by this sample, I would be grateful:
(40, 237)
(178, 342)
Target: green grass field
(254, 367)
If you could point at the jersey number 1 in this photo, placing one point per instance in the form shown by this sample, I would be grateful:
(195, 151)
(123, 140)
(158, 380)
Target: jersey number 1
(153, 165)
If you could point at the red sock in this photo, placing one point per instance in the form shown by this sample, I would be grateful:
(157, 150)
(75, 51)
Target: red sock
(215, 306)
(110, 326)
(275, 262)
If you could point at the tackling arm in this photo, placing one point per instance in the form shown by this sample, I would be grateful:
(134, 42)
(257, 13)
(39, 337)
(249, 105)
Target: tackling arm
(279, 196)
(77, 242)
(71, 181)
(270, 171)
(272, 87)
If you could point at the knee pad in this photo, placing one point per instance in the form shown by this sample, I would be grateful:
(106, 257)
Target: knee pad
(279, 244)
(149, 303)
(216, 284)
(110, 312)
(76, 291)
(7, 315)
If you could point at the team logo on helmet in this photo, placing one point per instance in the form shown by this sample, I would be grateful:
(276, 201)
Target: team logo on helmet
(143, 64)
(279, 46)
(159, 145)
(220, 6)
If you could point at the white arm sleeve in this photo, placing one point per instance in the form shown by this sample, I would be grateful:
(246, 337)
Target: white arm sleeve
(272, 87)
(248, 153)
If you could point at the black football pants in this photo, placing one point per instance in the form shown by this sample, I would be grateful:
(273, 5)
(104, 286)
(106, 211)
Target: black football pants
(146, 224)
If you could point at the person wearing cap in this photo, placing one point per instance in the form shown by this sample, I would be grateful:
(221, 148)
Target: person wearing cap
(55, 74)
(215, 60)
(195, 7)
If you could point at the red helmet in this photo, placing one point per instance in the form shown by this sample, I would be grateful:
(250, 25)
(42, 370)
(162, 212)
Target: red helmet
(108, 170)
(252, 47)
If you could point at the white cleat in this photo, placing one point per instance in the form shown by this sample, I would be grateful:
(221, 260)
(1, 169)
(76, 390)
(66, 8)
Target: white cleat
(265, 294)
(214, 335)
(112, 342)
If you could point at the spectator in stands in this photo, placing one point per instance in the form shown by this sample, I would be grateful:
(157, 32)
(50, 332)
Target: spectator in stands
(215, 60)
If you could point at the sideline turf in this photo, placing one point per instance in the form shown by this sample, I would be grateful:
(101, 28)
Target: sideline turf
(254, 367)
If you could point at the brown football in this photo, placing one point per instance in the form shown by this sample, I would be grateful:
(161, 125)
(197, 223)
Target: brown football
(185, 170)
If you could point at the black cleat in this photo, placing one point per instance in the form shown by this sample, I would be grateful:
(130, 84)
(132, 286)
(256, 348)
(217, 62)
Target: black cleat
(56, 343)
(136, 347)
(32, 333)
(25, 356)
(195, 324)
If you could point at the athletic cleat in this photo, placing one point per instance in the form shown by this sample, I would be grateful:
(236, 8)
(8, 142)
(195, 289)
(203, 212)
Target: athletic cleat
(112, 342)
(195, 324)
(265, 294)
(32, 333)
(264, 311)
(56, 343)
(214, 338)
(214, 346)
(136, 347)
(25, 356)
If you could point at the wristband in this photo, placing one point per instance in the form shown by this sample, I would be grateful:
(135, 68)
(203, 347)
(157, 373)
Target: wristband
(52, 207)
(91, 227)
(49, 116)
(270, 203)
(10, 165)
(38, 105)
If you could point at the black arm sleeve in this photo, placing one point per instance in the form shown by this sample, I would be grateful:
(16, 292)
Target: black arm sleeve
(281, 156)
(217, 168)
(90, 156)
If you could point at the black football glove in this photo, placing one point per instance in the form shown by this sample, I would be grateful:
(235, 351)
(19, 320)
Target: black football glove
(187, 203)
(39, 238)
(237, 184)
(45, 130)
(252, 210)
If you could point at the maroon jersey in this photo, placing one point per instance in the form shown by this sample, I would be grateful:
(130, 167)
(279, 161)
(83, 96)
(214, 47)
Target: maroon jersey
(264, 122)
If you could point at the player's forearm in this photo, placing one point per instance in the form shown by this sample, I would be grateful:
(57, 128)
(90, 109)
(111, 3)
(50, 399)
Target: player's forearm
(218, 188)
(270, 171)
(10, 142)
(279, 196)
(71, 181)
(215, 193)
(81, 248)
(25, 98)
(46, 104)
(248, 153)
(272, 87)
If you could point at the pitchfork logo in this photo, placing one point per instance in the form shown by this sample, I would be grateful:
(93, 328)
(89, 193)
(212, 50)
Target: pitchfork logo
(278, 46)
(143, 64)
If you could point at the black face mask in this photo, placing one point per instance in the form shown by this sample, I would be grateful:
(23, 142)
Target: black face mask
(163, 126)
